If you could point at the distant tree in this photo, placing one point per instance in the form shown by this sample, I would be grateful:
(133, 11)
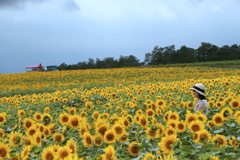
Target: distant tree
(207, 52)
(156, 57)
(163, 55)
(91, 63)
(82, 65)
(223, 53)
(148, 58)
(62, 66)
(235, 52)
(99, 63)
(110, 62)
(127, 61)
(168, 54)
(133, 61)
(185, 55)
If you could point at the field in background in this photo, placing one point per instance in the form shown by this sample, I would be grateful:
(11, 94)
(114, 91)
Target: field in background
(127, 113)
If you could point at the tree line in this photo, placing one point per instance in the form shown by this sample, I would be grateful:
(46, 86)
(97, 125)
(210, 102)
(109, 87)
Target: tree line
(163, 55)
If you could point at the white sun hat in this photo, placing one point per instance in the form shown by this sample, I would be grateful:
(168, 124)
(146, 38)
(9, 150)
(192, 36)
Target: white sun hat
(199, 88)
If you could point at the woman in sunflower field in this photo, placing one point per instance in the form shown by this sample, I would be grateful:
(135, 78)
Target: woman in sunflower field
(199, 93)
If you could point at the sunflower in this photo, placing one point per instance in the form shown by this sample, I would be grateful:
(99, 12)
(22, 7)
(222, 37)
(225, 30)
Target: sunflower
(64, 118)
(124, 138)
(148, 156)
(87, 140)
(202, 117)
(234, 142)
(15, 138)
(172, 123)
(25, 152)
(143, 121)
(3, 117)
(166, 116)
(234, 104)
(173, 116)
(4, 150)
(40, 127)
(89, 106)
(46, 132)
(238, 120)
(158, 112)
(160, 130)
(211, 104)
(2, 134)
(58, 137)
(170, 131)
(28, 122)
(167, 142)
(160, 103)
(151, 133)
(102, 129)
(47, 109)
(213, 158)
(190, 117)
(83, 129)
(167, 157)
(219, 105)
(203, 137)
(218, 119)
(109, 153)
(134, 149)
(181, 126)
(110, 136)
(63, 152)
(210, 123)
(195, 126)
(73, 110)
(55, 147)
(73, 145)
(226, 113)
(136, 118)
(150, 113)
(48, 154)
(31, 130)
(28, 141)
(190, 105)
(46, 118)
(219, 140)
(21, 113)
(37, 139)
(37, 116)
(236, 114)
(119, 129)
(126, 123)
(16, 156)
(74, 121)
(98, 139)
(95, 115)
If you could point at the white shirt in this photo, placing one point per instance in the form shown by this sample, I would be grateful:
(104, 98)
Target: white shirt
(205, 106)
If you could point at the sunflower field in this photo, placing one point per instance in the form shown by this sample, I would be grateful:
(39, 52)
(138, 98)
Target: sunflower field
(128, 113)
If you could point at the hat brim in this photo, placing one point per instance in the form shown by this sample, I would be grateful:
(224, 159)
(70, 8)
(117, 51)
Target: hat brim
(197, 91)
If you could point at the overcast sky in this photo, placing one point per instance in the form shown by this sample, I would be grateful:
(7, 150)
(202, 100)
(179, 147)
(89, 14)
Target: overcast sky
(52, 32)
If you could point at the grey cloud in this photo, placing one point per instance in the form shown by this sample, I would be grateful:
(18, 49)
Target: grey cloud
(16, 3)
(71, 6)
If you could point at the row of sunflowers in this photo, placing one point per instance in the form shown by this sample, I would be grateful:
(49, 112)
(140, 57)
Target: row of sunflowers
(131, 113)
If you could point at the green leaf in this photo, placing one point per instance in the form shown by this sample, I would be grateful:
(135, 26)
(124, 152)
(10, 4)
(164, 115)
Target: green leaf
(219, 130)
(155, 149)
(231, 124)
(37, 150)
(238, 138)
